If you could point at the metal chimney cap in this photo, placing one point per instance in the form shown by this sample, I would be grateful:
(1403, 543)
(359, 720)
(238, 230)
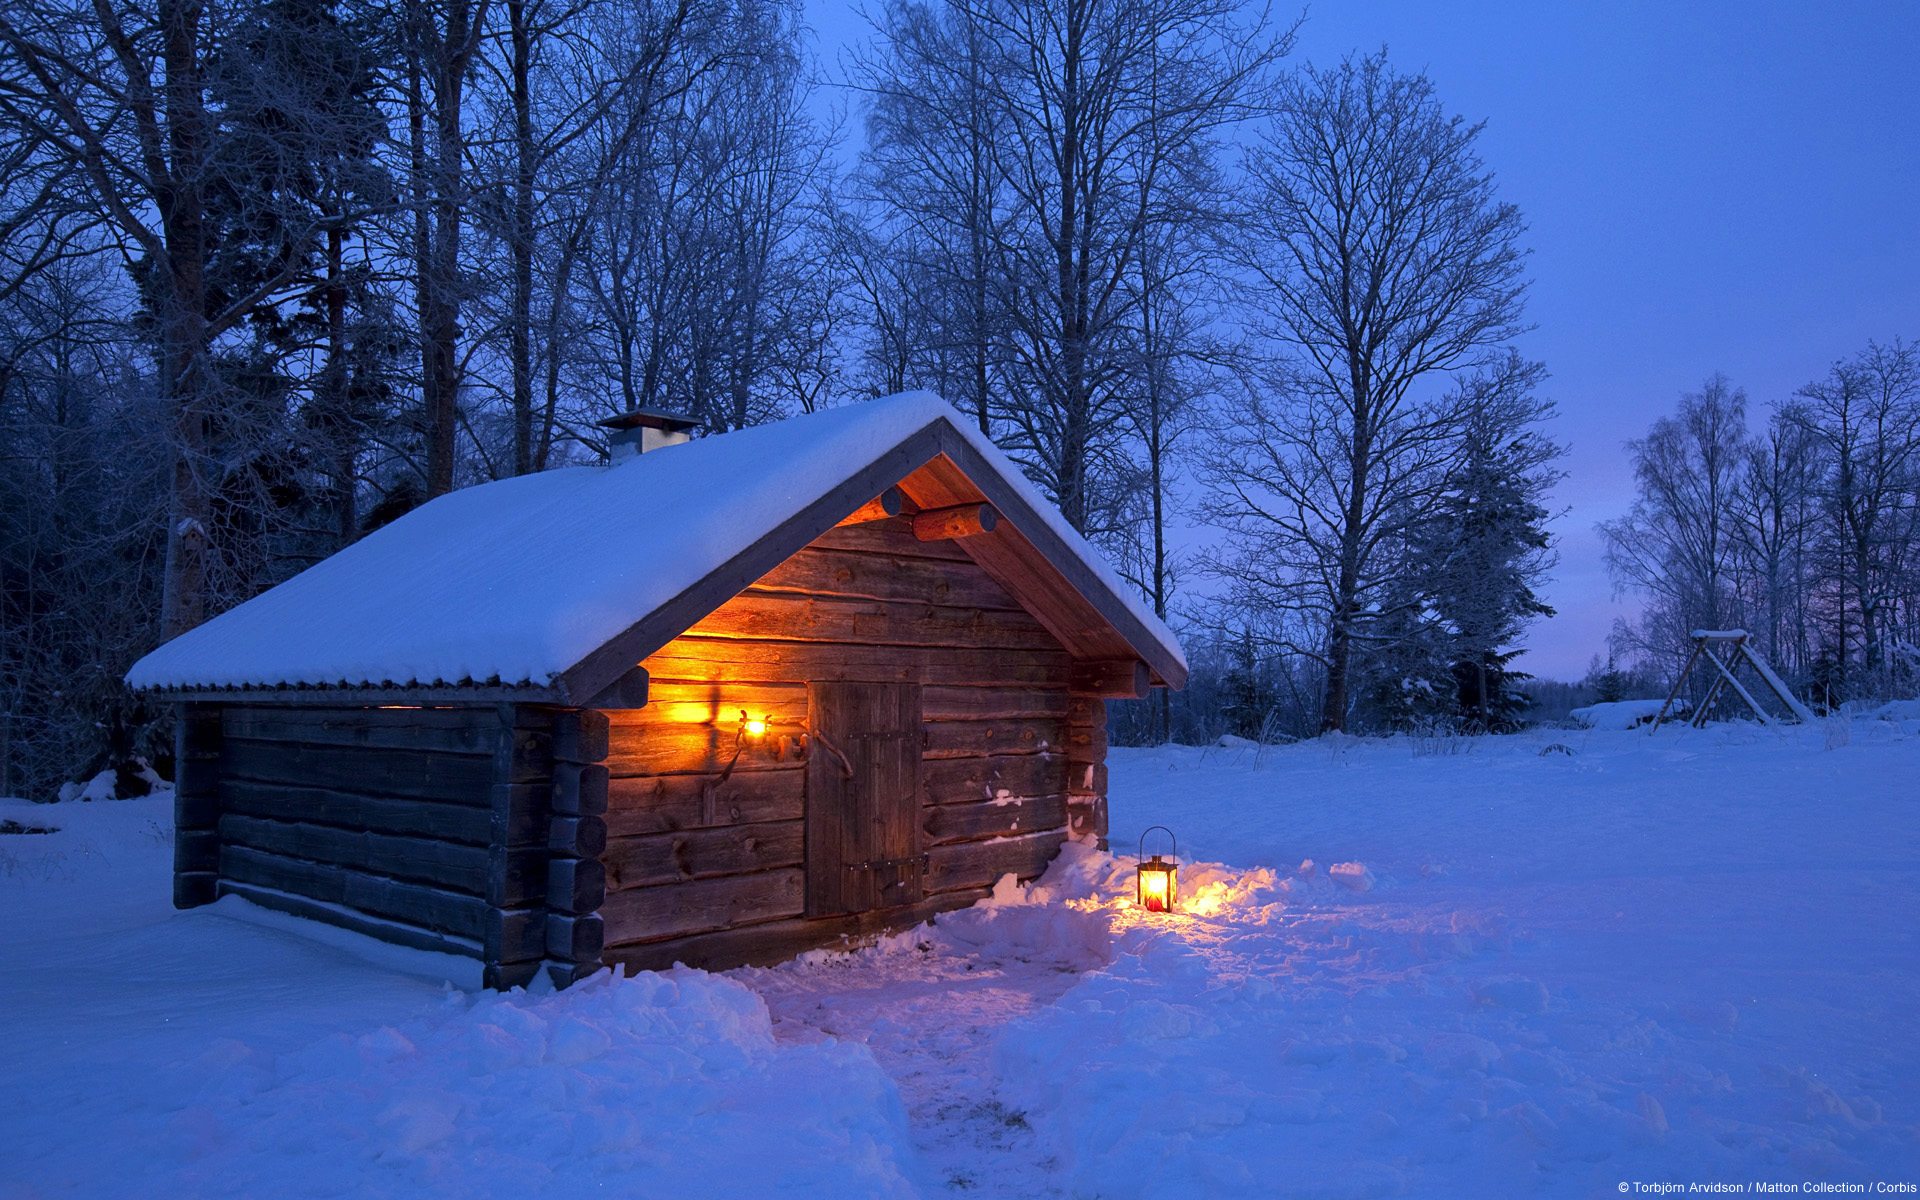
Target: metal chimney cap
(649, 418)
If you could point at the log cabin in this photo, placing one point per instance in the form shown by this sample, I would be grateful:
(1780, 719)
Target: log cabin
(718, 702)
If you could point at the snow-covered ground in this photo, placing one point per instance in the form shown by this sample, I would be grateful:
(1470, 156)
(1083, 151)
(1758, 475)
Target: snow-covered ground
(1682, 957)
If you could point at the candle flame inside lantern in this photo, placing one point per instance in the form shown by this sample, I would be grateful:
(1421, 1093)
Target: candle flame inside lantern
(1158, 888)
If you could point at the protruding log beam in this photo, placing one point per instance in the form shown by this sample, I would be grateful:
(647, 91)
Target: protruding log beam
(962, 520)
(628, 691)
(1116, 679)
(887, 504)
(580, 789)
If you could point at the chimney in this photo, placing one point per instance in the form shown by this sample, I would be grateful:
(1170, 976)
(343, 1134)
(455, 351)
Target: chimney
(639, 430)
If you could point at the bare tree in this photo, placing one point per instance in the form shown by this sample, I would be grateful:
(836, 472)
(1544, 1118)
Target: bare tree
(1384, 258)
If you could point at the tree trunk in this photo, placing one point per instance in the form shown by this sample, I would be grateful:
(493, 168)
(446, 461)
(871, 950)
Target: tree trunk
(521, 333)
(183, 316)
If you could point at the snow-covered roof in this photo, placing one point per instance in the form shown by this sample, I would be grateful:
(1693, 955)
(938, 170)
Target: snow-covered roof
(520, 581)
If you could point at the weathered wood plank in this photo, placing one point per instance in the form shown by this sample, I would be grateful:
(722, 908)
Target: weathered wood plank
(1120, 679)
(979, 864)
(703, 853)
(578, 837)
(993, 818)
(652, 913)
(457, 778)
(785, 616)
(958, 739)
(666, 747)
(399, 933)
(774, 941)
(958, 780)
(893, 577)
(993, 703)
(1087, 743)
(580, 789)
(886, 504)
(442, 864)
(429, 908)
(580, 735)
(375, 814)
(447, 730)
(663, 804)
(575, 939)
(716, 703)
(893, 536)
(736, 661)
(958, 521)
(1087, 710)
(576, 885)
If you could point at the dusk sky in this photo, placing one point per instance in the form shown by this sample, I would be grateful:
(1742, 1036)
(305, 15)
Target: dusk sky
(1729, 187)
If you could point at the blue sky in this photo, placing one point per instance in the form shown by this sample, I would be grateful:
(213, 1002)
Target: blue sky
(1726, 187)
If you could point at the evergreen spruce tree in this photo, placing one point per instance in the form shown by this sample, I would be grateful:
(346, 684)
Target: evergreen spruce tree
(1487, 549)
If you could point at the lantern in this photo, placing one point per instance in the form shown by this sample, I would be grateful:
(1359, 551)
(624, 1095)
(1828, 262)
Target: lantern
(1157, 880)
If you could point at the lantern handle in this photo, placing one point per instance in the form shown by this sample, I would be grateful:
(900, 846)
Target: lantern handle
(1140, 851)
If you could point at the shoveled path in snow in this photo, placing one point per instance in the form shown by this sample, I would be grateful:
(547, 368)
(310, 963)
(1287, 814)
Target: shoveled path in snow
(930, 1019)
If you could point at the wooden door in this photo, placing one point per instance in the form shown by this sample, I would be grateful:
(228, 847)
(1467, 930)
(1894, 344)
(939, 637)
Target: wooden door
(863, 797)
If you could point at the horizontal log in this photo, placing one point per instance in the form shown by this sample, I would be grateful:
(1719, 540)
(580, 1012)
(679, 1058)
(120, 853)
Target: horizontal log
(786, 616)
(891, 536)
(419, 860)
(576, 885)
(1087, 743)
(198, 776)
(1087, 778)
(398, 933)
(502, 977)
(886, 504)
(580, 736)
(449, 730)
(956, 521)
(377, 814)
(958, 739)
(575, 939)
(196, 810)
(1087, 817)
(775, 941)
(704, 853)
(980, 864)
(665, 747)
(959, 780)
(191, 889)
(674, 910)
(715, 703)
(1119, 679)
(578, 837)
(456, 778)
(515, 935)
(521, 812)
(195, 850)
(1086, 710)
(665, 803)
(851, 575)
(992, 818)
(628, 691)
(449, 913)
(732, 660)
(991, 703)
(580, 789)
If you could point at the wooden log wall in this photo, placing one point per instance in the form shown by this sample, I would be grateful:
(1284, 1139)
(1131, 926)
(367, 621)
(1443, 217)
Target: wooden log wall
(705, 829)
(428, 827)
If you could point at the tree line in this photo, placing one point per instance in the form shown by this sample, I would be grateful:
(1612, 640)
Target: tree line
(274, 273)
(1804, 531)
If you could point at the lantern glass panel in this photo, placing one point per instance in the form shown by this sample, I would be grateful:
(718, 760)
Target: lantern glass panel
(1159, 885)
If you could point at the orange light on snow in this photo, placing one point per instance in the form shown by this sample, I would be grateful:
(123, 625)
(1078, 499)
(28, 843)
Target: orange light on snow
(1157, 881)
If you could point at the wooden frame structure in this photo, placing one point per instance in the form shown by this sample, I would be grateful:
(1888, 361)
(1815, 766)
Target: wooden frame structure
(894, 697)
(1737, 651)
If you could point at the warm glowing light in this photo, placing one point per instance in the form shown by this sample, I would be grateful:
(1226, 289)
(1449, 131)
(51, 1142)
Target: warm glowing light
(1158, 884)
(755, 727)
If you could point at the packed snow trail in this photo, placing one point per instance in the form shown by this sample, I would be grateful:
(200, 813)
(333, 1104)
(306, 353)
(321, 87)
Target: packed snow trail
(1685, 957)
